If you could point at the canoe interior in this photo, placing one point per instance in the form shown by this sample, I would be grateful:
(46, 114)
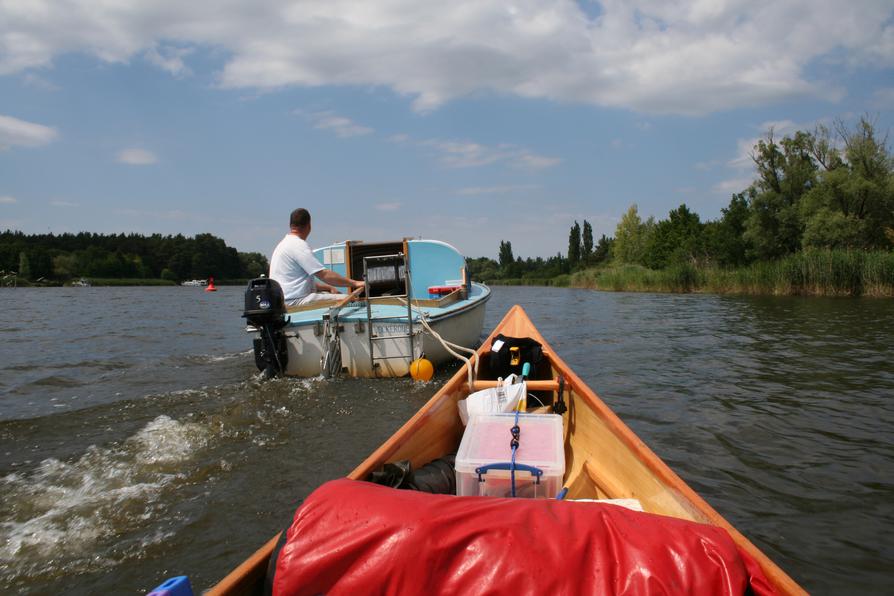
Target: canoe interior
(603, 457)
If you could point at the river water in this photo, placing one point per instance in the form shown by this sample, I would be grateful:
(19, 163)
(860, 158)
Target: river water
(137, 442)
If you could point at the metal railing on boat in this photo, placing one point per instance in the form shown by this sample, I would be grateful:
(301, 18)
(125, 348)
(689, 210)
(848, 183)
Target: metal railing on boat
(388, 264)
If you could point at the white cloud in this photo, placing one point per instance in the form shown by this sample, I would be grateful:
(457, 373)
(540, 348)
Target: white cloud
(38, 82)
(535, 162)
(676, 56)
(15, 132)
(170, 59)
(136, 157)
(467, 154)
(780, 128)
(63, 204)
(388, 206)
(733, 185)
(490, 190)
(341, 126)
(400, 138)
(7, 200)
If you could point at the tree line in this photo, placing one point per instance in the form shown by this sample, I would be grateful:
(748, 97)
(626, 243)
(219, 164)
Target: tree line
(66, 256)
(823, 189)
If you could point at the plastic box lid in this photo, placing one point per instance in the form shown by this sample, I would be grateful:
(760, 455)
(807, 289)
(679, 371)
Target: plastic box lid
(487, 437)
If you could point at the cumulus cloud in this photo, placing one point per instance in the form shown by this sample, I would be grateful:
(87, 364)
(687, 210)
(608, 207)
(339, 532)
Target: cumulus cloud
(733, 185)
(7, 200)
(491, 190)
(467, 154)
(341, 126)
(388, 206)
(170, 59)
(36, 81)
(15, 132)
(678, 56)
(780, 129)
(136, 157)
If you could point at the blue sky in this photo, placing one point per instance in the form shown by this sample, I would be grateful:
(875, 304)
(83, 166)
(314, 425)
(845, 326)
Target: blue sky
(469, 122)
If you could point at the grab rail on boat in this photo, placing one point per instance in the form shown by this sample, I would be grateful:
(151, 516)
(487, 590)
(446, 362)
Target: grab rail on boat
(547, 385)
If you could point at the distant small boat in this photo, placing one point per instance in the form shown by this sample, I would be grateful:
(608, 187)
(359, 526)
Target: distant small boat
(195, 283)
(80, 283)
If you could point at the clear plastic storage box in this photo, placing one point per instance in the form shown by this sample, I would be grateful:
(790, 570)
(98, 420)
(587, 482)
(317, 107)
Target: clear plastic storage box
(486, 445)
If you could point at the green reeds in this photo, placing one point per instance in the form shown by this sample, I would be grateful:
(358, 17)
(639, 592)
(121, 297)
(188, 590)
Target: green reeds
(562, 281)
(811, 272)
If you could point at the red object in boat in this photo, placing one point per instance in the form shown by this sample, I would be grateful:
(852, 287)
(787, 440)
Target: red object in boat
(441, 290)
(353, 537)
(210, 287)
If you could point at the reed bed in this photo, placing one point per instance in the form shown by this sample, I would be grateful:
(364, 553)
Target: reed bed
(561, 281)
(812, 272)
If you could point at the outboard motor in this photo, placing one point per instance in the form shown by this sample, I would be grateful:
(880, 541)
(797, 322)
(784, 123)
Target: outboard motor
(265, 309)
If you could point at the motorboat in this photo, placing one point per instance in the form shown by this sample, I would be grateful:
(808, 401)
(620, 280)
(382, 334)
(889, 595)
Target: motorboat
(417, 302)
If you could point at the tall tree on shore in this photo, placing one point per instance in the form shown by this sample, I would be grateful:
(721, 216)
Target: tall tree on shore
(631, 237)
(506, 257)
(676, 239)
(725, 239)
(587, 242)
(786, 172)
(603, 250)
(852, 204)
(574, 245)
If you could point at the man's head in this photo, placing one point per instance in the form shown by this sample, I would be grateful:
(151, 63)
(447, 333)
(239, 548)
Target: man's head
(299, 222)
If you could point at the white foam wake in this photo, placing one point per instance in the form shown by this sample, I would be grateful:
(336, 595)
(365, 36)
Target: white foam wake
(64, 508)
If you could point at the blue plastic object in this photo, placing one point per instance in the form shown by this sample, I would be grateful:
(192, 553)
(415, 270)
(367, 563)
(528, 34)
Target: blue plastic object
(176, 586)
(535, 472)
(526, 369)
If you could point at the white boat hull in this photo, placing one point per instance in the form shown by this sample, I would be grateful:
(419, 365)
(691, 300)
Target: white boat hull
(306, 344)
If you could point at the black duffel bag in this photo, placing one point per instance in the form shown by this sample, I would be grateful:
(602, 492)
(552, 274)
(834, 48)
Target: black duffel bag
(509, 354)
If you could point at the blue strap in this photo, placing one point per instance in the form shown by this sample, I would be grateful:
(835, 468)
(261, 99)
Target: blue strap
(511, 465)
(516, 435)
(532, 470)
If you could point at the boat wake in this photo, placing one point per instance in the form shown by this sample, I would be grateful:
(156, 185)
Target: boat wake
(212, 358)
(54, 514)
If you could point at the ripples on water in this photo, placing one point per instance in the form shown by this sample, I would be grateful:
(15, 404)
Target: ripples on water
(136, 441)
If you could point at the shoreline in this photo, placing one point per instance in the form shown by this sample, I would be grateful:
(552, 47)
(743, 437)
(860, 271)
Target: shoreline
(838, 273)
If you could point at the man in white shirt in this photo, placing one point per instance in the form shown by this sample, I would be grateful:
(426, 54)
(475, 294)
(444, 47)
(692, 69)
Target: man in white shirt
(295, 267)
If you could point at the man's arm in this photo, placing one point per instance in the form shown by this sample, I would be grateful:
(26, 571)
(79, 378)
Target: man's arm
(324, 288)
(336, 279)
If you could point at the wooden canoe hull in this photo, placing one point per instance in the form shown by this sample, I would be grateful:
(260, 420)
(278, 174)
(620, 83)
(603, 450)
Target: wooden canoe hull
(604, 459)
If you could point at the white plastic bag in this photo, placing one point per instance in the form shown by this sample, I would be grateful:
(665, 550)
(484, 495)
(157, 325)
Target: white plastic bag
(502, 398)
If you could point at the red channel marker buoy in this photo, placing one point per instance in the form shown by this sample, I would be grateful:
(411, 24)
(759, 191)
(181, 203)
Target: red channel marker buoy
(210, 287)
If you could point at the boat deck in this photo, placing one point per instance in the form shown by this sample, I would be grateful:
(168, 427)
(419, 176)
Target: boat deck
(433, 309)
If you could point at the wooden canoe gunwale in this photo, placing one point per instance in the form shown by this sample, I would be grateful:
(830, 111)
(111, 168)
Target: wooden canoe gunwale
(409, 443)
